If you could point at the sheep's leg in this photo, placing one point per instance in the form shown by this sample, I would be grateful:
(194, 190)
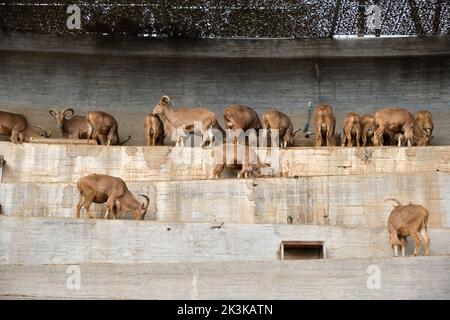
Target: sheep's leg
(116, 209)
(205, 138)
(349, 140)
(396, 250)
(319, 137)
(148, 139)
(102, 139)
(81, 202)
(426, 238)
(106, 213)
(209, 136)
(218, 169)
(242, 172)
(328, 136)
(403, 245)
(246, 170)
(358, 139)
(416, 237)
(90, 132)
(276, 138)
(21, 137)
(87, 207)
(212, 137)
(364, 138)
(96, 134)
(378, 136)
(109, 139)
(14, 135)
(109, 205)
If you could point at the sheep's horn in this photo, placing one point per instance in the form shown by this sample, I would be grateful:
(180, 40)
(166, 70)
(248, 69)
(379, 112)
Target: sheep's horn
(70, 110)
(147, 201)
(47, 134)
(53, 112)
(394, 200)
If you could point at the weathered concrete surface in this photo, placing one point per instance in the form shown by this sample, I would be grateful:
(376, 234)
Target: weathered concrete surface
(220, 48)
(334, 200)
(33, 241)
(418, 278)
(42, 163)
(129, 86)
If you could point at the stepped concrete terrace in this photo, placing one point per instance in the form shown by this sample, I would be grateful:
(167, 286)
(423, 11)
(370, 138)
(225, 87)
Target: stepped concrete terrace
(220, 238)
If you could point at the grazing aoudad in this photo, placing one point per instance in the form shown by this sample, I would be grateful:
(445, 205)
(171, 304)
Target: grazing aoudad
(279, 123)
(19, 129)
(408, 220)
(101, 188)
(104, 127)
(242, 121)
(400, 122)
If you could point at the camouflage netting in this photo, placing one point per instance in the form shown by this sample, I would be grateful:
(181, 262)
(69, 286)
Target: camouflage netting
(221, 18)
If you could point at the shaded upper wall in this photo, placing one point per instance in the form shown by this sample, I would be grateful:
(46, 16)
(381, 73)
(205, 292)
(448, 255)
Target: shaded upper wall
(126, 77)
(226, 48)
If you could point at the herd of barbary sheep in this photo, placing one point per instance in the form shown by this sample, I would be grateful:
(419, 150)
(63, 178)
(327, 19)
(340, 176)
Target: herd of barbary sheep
(388, 126)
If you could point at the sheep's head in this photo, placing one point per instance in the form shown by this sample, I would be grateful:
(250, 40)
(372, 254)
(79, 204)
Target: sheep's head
(162, 105)
(61, 115)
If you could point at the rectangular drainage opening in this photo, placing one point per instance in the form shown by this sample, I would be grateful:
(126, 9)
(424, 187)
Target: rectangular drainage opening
(302, 250)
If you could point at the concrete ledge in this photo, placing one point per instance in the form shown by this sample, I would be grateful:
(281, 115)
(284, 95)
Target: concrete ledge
(62, 141)
(43, 163)
(401, 278)
(335, 200)
(35, 241)
(220, 48)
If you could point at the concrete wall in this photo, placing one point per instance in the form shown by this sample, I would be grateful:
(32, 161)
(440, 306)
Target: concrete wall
(401, 278)
(111, 77)
(44, 163)
(35, 241)
(343, 201)
(332, 194)
(337, 186)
